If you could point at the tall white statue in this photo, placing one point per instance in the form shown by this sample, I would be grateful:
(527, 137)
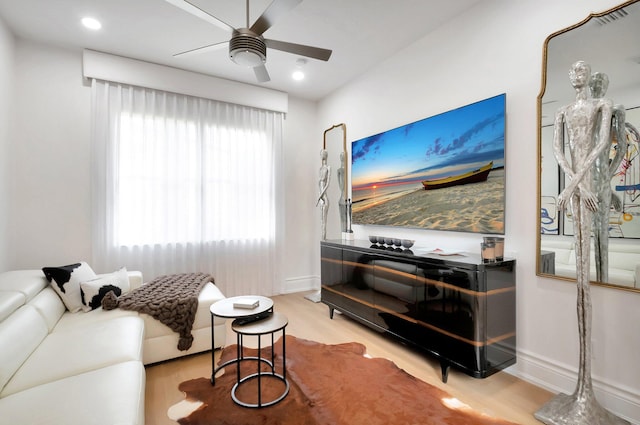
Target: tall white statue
(323, 185)
(342, 202)
(588, 127)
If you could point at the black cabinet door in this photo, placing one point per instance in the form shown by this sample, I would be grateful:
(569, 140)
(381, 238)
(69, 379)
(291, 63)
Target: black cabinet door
(330, 266)
(501, 315)
(452, 314)
(452, 302)
(396, 293)
(349, 283)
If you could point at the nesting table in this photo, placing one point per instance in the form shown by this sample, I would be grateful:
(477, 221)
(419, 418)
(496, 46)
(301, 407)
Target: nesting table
(265, 322)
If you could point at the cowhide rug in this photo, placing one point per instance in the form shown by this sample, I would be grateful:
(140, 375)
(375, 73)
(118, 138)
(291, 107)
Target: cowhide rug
(329, 384)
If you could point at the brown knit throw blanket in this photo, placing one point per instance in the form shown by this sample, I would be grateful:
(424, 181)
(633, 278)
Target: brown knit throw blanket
(171, 299)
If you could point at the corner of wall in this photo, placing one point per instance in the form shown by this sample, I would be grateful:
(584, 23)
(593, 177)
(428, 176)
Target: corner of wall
(7, 46)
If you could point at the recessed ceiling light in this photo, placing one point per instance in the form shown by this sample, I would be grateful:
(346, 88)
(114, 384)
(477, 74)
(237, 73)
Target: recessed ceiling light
(298, 74)
(91, 23)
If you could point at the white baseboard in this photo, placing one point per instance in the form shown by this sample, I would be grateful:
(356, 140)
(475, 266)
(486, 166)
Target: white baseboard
(559, 378)
(300, 284)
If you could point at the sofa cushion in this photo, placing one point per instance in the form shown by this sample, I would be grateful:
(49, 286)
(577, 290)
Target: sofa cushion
(10, 301)
(93, 291)
(112, 395)
(65, 280)
(77, 351)
(28, 282)
(621, 277)
(49, 305)
(70, 321)
(135, 279)
(624, 260)
(20, 335)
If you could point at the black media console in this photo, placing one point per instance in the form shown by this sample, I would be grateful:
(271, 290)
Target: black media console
(456, 308)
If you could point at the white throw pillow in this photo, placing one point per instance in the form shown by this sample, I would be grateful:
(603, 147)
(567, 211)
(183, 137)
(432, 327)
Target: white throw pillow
(93, 291)
(65, 280)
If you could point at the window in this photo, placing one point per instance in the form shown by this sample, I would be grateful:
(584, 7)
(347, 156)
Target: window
(184, 184)
(194, 189)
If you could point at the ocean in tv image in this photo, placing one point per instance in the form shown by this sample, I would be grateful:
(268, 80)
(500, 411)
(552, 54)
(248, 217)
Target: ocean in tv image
(444, 172)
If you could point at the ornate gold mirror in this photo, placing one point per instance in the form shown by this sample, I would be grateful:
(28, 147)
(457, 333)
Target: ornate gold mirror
(608, 41)
(335, 145)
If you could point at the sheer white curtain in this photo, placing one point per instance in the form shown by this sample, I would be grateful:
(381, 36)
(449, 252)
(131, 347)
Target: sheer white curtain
(184, 184)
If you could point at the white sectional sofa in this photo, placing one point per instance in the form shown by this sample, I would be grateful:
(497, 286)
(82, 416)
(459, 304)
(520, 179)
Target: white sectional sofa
(58, 367)
(624, 260)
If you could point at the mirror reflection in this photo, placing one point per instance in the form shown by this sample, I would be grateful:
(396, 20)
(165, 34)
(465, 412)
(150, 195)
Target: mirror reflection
(608, 42)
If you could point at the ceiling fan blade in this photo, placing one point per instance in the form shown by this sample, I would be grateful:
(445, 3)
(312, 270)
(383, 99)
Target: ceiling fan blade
(300, 49)
(191, 8)
(204, 49)
(261, 73)
(275, 10)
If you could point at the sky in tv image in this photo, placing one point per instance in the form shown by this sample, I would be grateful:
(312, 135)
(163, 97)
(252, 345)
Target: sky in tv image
(451, 145)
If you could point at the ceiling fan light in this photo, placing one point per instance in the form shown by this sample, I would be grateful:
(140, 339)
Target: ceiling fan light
(247, 48)
(248, 58)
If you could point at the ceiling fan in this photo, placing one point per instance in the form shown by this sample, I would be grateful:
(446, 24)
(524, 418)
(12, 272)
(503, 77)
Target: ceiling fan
(247, 46)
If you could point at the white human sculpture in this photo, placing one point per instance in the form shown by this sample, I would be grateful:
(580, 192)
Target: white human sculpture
(342, 202)
(323, 185)
(587, 122)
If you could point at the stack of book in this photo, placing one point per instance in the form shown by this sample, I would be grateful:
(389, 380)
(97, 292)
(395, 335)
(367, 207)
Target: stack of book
(247, 303)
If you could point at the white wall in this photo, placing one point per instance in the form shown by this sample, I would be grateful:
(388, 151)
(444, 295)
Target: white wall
(301, 146)
(6, 98)
(496, 47)
(50, 196)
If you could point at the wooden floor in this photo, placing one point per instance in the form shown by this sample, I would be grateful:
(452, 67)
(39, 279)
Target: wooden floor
(500, 395)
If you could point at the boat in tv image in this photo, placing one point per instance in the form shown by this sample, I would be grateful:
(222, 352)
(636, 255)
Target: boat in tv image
(445, 172)
(475, 176)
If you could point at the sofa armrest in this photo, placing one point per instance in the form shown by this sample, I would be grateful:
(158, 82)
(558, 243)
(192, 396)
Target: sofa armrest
(637, 276)
(135, 279)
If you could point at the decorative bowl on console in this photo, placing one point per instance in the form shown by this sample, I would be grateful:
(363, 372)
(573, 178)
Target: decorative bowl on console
(381, 240)
(373, 239)
(397, 242)
(388, 241)
(408, 243)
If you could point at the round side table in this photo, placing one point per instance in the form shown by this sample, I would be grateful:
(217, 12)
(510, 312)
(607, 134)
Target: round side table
(225, 309)
(274, 323)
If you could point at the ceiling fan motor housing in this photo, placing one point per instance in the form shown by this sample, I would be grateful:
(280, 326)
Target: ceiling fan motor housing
(247, 48)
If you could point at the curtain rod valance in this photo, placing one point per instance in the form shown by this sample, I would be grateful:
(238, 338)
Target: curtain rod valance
(104, 66)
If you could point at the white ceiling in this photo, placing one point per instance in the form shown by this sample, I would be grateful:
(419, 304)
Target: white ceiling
(361, 33)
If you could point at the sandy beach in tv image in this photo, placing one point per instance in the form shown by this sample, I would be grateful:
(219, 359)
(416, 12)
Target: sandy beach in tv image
(444, 172)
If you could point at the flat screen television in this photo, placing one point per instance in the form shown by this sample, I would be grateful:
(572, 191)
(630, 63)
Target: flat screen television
(445, 172)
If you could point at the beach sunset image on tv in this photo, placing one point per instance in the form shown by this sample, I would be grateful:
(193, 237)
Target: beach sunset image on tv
(444, 172)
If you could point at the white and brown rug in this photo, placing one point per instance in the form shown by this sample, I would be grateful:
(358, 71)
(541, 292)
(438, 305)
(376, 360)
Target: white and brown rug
(329, 384)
